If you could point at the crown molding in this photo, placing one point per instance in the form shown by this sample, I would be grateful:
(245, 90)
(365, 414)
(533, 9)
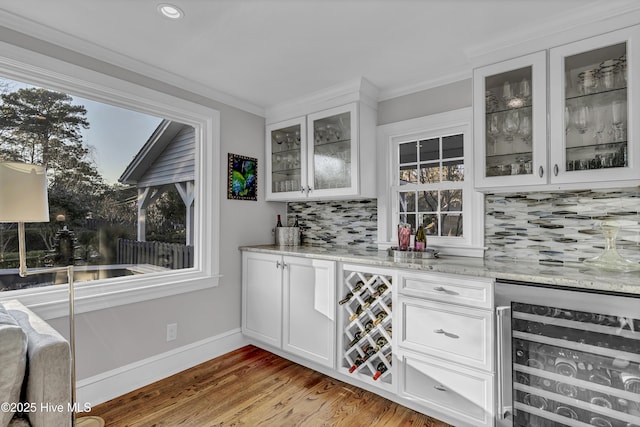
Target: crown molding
(359, 89)
(51, 36)
(453, 76)
(602, 17)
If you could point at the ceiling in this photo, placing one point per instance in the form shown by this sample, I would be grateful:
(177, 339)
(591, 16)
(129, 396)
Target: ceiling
(265, 52)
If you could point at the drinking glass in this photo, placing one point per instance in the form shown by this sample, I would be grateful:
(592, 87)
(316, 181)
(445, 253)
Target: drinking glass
(507, 93)
(493, 130)
(598, 124)
(582, 117)
(525, 90)
(524, 130)
(510, 125)
(619, 113)
(404, 236)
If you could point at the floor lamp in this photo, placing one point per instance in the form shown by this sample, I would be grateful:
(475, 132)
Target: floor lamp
(23, 198)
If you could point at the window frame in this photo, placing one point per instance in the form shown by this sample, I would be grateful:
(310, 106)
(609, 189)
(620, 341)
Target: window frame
(423, 128)
(51, 302)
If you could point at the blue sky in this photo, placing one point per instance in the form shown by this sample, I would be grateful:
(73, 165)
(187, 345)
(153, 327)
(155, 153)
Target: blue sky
(115, 134)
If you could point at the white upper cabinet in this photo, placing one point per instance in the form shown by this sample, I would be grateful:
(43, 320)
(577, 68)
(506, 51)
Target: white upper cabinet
(591, 117)
(510, 126)
(327, 151)
(593, 111)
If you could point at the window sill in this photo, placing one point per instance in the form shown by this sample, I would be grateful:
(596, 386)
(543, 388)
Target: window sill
(53, 301)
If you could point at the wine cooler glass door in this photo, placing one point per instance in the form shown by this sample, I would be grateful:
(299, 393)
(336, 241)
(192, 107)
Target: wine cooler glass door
(572, 364)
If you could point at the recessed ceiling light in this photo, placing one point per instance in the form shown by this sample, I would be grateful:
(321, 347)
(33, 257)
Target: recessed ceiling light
(170, 11)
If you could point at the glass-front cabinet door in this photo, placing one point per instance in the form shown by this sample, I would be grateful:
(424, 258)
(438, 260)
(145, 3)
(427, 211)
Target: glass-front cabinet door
(286, 170)
(510, 122)
(333, 151)
(591, 110)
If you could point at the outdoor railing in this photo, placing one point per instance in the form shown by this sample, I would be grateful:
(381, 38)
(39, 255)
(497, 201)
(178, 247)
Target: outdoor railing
(167, 255)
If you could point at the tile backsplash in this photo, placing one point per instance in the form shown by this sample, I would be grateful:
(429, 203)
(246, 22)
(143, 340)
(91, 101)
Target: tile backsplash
(343, 223)
(560, 226)
(549, 227)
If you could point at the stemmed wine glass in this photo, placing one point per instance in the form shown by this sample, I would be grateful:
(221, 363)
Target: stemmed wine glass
(582, 117)
(598, 124)
(493, 130)
(510, 124)
(619, 112)
(524, 129)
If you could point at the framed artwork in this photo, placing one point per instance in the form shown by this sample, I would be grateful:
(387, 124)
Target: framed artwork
(242, 181)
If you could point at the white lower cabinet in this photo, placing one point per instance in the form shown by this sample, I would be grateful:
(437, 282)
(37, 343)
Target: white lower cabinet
(445, 345)
(289, 303)
(462, 393)
(309, 309)
(425, 340)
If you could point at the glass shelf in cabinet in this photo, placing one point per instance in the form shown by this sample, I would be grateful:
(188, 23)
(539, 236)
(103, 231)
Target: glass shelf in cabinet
(503, 110)
(508, 155)
(597, 93)
(287, 172)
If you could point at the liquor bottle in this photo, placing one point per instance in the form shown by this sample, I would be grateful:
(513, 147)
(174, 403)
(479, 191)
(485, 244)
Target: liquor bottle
(296, 224)
(420, 241)
(382, 367)
(279, 222)
(381, 341)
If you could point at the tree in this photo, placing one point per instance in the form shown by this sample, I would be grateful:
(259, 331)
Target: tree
(43, 127)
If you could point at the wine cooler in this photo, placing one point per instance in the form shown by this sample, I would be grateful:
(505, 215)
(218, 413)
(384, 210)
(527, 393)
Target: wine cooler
(366, 322)
(567, 358)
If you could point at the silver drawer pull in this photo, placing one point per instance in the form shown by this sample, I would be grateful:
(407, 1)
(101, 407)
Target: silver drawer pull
(440, 387)
(445, 290)
(445, 333)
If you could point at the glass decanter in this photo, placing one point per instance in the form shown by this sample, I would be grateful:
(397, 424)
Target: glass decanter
(610, 259)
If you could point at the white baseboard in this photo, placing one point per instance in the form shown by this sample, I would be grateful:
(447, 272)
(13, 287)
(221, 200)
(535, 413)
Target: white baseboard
(108, 385)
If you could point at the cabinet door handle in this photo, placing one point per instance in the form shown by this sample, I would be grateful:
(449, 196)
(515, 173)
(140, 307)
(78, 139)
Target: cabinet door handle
(302, 189)
(277, 264)
(439, 289)
(438, 331)
(555, 169)
(440, 387)
(541, 171)
(285, 265)
(309, 189)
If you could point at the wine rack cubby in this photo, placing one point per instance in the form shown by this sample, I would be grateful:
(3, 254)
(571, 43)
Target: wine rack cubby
(366, 320)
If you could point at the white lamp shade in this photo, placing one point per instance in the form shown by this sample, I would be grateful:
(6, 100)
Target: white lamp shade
(23, 193)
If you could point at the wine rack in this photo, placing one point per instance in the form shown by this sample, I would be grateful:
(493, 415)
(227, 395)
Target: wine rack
(575, 368)
(366, 313)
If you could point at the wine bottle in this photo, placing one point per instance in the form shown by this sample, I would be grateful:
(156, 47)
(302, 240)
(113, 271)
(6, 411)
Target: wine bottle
(420, 241)
(368, 352)
(380, 317)
(279, 223)
(382, 367)
(346, 298)
(356, 337)
(370, 299)
(356, 313)
(380, 290)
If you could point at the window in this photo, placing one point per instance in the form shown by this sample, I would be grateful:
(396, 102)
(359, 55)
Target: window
(429, 164)
(179, 117)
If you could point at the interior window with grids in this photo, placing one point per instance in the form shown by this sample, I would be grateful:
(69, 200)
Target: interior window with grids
(430, 185)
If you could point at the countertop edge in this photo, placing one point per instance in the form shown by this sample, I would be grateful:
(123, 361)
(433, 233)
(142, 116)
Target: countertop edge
(578, 276)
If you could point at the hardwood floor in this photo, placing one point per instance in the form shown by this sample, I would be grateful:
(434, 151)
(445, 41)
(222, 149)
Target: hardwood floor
(252, 387)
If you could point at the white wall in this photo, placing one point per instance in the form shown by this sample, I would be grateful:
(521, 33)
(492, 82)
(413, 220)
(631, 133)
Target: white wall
(114, 337)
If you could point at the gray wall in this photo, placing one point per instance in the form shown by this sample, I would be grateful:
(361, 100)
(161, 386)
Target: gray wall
(116, 336)
(424, 103)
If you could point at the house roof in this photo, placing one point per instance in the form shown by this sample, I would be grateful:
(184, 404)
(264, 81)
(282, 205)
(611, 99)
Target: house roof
(150, 151)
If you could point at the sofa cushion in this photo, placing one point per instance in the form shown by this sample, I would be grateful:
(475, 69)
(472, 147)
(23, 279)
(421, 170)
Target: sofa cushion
(13, 361)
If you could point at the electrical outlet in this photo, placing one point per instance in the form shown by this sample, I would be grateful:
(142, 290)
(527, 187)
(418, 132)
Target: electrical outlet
(172, 331)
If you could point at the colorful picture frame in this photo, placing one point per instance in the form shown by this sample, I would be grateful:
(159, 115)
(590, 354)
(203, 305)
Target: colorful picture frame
(242, 181)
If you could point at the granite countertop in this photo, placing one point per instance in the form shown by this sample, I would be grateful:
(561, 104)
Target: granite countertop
(575, 276)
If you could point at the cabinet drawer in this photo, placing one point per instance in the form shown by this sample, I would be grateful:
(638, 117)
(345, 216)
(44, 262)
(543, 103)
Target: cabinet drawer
(454, 333)
(462, 393)
(465, 290)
